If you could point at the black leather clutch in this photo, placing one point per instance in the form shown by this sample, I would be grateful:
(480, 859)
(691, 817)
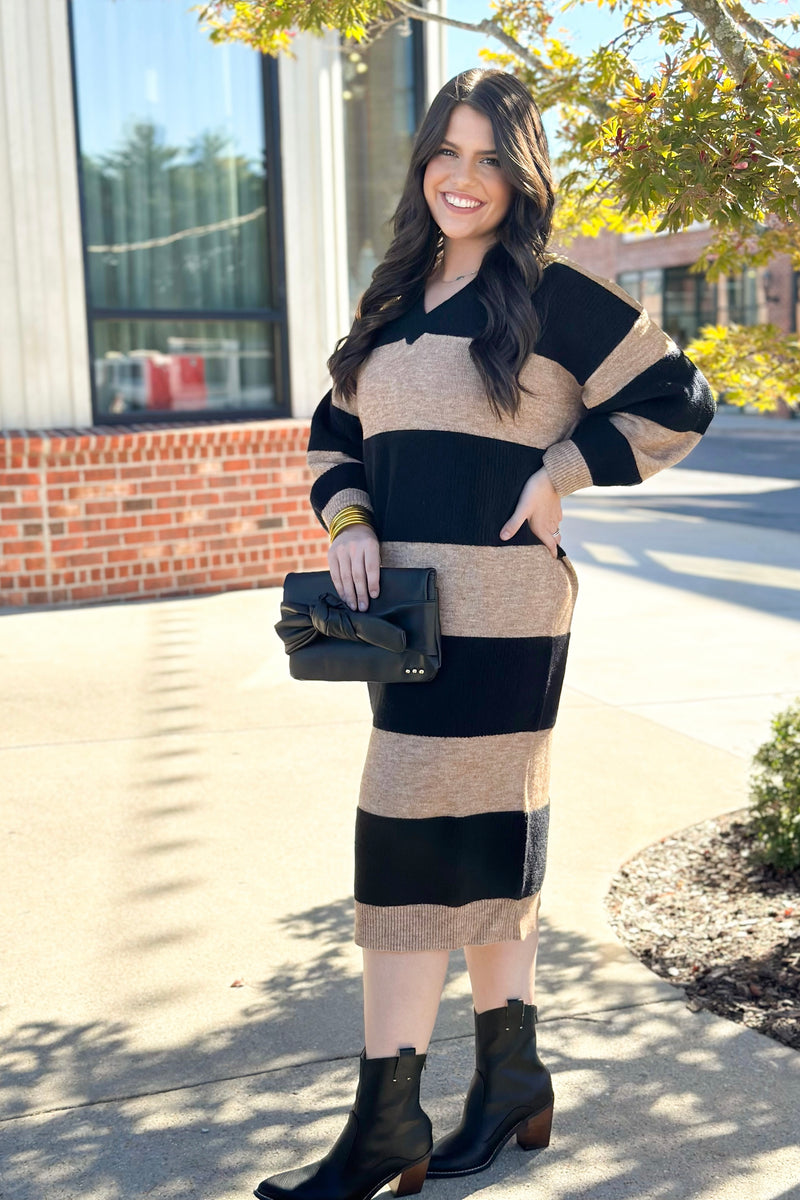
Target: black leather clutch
(396, 640)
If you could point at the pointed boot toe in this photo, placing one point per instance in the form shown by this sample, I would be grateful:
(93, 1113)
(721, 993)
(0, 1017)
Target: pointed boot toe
(386, 1140)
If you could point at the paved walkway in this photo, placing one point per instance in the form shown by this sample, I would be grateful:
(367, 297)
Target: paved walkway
(177, 816)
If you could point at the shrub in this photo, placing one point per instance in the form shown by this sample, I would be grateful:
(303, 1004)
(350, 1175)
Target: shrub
(775, 793)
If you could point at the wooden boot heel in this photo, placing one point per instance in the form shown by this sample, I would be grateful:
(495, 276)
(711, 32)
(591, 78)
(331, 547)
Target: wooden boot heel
(534, 1134)
(410, 1181)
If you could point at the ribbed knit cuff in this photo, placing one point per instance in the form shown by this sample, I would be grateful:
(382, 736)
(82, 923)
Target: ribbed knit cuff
(342, 500)
(567, 468)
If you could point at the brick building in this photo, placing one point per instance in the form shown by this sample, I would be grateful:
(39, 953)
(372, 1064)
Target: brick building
(655, 269)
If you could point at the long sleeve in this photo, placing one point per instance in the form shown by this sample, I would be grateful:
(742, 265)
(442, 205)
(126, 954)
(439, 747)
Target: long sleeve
(335, 458)
(644, 403)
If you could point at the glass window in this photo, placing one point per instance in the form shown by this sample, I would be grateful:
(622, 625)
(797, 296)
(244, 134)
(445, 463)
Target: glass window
(652, 296)
(382, 95)
(181, 366)
(631, 281)
(648, 288)
(690, 302)
(743, 298)
(176, 206)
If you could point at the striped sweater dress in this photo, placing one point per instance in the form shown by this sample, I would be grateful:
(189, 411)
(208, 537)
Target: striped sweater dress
(453, 807)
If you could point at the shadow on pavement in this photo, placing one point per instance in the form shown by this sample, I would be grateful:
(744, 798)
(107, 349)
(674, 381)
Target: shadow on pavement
(738, 565)
(638, 1094)
(776, 510)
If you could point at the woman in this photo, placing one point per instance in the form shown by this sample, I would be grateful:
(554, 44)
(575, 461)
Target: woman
(493, 379)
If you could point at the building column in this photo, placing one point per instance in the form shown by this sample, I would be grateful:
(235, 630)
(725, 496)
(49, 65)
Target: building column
(44, 354)
(312, 164)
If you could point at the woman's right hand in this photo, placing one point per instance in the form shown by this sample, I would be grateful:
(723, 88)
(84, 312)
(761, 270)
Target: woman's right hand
(354, 561)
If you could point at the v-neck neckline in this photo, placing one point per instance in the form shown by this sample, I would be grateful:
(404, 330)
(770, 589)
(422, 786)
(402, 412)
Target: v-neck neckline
(430, 311)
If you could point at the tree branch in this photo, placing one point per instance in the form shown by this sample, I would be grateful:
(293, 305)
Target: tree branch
(487, 27)
(725, 35)
(754, 27)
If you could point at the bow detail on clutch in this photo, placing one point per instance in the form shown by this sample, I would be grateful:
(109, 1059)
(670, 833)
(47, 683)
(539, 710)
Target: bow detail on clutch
(330, 616)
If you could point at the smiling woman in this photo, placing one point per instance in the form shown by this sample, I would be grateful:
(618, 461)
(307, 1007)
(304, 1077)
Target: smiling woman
(483, 379)
(468, 195)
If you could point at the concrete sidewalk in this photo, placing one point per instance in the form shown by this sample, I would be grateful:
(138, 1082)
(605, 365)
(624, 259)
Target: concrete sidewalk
(178, 815)
(729, 419)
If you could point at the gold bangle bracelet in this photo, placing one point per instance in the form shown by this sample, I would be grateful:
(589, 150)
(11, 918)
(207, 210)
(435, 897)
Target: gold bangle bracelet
(359, 512)
(336, 530)
(351, 508)
(349, 512)
(344, 525)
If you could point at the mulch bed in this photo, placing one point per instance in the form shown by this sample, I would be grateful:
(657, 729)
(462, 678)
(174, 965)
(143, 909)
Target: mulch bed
(698, 909)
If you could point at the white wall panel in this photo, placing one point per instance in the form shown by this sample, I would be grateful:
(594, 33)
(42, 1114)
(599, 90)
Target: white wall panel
(312, 163)
(44, 362)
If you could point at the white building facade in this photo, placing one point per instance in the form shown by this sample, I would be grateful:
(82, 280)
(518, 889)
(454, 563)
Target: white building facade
(187, 225)
(187, 230)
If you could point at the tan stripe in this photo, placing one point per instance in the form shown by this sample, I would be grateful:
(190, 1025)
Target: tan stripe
(567, 468)
(442, 390)
(643, 345)
(320, 461)
(654, 446)
(414, 777)
(348, 406)
(434, 927)
(493, 591)
(342, 499)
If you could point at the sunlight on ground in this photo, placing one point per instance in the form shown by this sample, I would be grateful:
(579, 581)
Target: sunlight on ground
(729, 569)
(680, 481)
(609, 556)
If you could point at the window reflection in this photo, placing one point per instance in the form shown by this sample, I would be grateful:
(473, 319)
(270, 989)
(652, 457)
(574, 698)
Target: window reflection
(175, 228)
(381, 88)
(180, 366)
(173, 161)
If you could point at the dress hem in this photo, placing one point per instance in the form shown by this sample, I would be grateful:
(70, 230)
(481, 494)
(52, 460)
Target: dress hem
(402, 928)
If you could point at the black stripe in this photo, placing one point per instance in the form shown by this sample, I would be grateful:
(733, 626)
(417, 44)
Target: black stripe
(449, 860)
(462, 315)
(672, 392)
(583, 320)
(334, 429)
(432, 485)
(607, 452)
(335, 479)
(484, 686)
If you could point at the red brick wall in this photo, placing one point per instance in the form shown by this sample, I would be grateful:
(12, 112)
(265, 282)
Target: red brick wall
(122, 514)
(609, 254)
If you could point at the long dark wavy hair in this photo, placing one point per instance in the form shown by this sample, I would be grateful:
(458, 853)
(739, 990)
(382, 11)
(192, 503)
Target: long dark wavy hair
(511, 269)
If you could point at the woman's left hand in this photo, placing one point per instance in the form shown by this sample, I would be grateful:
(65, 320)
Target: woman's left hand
(539, 503)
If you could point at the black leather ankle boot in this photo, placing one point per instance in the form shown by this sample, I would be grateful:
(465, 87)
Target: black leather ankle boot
(510, 1092)
(387, 1139)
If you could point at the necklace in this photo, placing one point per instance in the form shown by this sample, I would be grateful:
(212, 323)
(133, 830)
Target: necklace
(464, 276)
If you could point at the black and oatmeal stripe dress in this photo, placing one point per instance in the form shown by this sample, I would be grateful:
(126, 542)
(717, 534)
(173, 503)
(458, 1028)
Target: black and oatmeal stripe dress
(452, 817)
